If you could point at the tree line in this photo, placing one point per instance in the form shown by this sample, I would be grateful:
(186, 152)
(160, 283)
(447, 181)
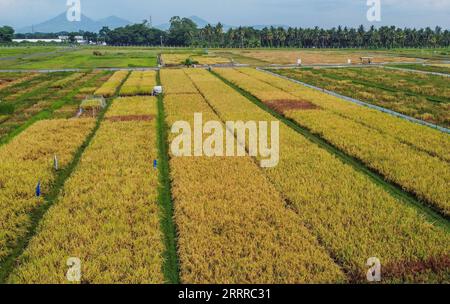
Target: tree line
(184, 32)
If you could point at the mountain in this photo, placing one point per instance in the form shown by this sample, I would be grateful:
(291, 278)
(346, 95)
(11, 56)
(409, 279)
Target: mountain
(61, 24)
(201, 23)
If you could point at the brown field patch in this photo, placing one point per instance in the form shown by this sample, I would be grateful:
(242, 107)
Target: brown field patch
(410, 271)
(130, 118)
(405, 269)
(283, 106)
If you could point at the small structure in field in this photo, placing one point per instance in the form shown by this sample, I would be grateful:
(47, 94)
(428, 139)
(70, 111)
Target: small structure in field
(92, 104)
(157, 90)
(299, 62)
(366, 60)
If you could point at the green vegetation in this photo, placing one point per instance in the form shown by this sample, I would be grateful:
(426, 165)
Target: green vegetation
(34, 100)
(84, 58)
(6, 52)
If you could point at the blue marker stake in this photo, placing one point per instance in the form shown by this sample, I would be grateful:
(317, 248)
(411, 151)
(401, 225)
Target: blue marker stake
(38, 189)
(155, 164)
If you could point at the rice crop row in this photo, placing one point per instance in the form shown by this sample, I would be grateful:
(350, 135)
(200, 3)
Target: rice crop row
(421, 96)
(108, 215)
(179, 59)
(233, 225)
(110, 87)
(40, 98)
(416, 171)
(436, 68)
(68, 80)
(139, 83)
(423, 138)
(27, 160)
(353, 217)
(71, 108)
(175, 83)
(9, 81)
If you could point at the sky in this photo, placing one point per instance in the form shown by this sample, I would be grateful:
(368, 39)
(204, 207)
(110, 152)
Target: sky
(304, 13)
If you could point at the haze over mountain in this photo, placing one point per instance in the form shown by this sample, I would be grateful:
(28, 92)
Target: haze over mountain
(61, 24)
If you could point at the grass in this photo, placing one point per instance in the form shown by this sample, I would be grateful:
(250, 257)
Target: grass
(84, 58)
(171, 263)
(6, 52)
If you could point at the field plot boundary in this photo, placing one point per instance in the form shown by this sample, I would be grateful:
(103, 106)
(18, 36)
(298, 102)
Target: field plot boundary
(431, 213)
(171, 265)
(362, 103)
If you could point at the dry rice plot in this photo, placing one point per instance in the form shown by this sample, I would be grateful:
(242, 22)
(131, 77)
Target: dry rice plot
(109, 88)
(233, 226)
(25, 161)
(354, 218)
(139, 83)
(417, 171)
(108, 215)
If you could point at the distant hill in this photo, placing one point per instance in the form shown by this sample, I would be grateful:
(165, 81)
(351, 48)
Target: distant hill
(61, 24)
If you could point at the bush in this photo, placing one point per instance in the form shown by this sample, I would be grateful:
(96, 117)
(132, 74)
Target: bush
(98, 53)
(189, 62)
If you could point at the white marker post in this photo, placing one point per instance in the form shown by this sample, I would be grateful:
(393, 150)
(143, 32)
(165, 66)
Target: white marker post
(55, 163)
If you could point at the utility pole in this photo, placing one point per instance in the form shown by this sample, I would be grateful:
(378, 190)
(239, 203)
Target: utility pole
(161, 41)
(150, 22)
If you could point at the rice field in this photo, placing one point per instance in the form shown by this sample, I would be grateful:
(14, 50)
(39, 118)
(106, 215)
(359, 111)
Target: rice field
(424, 173)
(91, 174)
(434, 68)
(425, 97)
(40, 96)
(139, 83)
(178, 59)
(320, 57)
(110, 87)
